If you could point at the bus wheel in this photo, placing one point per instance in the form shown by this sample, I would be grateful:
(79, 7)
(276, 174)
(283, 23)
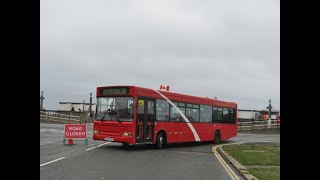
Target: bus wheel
(128, 146)
(160, 141)
(217, 137)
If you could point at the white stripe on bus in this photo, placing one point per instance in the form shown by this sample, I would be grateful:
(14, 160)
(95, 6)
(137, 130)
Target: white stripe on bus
(195, 134)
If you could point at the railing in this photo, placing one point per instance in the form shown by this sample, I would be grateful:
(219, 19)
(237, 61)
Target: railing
(257, 125)
(63, 117)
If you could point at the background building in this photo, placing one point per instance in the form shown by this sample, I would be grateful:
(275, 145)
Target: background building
(67, 106)
(265, 113)
(247, 114)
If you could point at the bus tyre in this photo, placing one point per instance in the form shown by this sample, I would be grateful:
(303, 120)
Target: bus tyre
(128, 146)
(217, 137)
(160, 141)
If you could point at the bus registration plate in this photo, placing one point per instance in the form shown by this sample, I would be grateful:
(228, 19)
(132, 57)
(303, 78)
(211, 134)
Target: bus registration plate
(108, 139)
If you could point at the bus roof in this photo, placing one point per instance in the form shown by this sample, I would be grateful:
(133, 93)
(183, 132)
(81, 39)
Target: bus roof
(174, 96)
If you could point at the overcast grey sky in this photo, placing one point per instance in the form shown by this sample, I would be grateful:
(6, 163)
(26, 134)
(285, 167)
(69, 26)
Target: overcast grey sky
(227, 48)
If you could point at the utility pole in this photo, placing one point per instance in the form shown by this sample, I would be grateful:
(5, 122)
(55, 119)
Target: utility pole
(83, 105)
(90, 106)
(41, 100)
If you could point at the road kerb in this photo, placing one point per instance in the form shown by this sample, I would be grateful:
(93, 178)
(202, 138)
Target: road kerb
(232, 174)
(233, 161)
(242, 169)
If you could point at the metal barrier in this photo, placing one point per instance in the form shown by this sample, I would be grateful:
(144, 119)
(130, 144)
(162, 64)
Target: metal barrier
(63, 117)
(257, 125)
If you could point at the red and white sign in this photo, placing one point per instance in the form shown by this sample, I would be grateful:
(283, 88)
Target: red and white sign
(72, 131)
(164, 88)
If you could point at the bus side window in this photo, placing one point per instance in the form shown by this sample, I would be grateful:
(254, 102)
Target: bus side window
(162, 110)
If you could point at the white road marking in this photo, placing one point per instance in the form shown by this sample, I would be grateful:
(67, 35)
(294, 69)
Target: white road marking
(97, 146)
(51, 161)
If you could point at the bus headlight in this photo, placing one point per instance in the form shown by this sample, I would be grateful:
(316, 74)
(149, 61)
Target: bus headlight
(127, 134)
(95, 132)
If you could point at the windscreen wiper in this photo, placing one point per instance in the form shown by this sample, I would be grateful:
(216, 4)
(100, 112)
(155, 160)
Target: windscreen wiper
(102, 118)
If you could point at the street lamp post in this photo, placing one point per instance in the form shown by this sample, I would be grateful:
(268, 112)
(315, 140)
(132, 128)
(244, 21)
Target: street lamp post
(269, 107)
(41, 100)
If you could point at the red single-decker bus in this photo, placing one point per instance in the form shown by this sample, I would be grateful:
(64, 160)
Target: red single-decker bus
(135, 115)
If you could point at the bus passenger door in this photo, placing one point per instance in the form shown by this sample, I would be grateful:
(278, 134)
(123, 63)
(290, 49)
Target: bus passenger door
(145, 120)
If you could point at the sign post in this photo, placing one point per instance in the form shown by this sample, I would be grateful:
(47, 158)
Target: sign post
(75, 131)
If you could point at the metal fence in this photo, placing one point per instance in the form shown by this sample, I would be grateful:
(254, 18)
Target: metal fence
(63, 117)
(257, 125)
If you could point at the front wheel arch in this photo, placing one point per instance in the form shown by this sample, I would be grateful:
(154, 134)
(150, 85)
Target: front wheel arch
(161, 139)
(217, 137)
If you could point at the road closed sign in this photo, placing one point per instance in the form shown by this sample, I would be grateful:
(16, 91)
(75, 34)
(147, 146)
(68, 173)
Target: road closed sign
(73, 131)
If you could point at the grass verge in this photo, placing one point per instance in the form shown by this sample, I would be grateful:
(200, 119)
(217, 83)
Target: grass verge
(257, 155)
(266, 174)
(250, 154)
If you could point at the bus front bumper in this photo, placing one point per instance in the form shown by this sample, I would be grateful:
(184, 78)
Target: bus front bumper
(120, 139)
